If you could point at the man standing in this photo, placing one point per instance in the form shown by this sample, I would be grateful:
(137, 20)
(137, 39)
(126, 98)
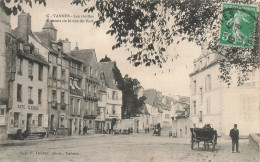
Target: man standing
(234, 134)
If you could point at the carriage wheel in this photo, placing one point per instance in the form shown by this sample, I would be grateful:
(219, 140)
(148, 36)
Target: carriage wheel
(192, 144)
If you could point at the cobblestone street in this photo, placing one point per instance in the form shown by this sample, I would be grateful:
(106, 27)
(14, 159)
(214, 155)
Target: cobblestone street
(137, 147)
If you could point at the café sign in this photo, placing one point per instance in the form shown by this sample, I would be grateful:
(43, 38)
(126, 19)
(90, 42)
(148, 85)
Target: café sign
(29, 107)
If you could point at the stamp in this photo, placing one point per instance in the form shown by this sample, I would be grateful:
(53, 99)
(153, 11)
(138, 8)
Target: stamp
(238, 25)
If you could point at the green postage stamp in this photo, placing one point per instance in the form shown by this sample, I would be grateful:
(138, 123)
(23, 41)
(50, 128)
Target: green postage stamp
(238, 25)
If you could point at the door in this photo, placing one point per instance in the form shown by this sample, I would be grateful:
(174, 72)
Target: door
(70, 127)
(52, 122)
(29, 123)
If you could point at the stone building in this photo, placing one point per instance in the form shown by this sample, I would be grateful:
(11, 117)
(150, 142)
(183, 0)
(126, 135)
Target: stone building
(29, 111)
(4, 72)
(114, 96)
(76, 95)
(91, 86)
(214, 103)
(58, 79)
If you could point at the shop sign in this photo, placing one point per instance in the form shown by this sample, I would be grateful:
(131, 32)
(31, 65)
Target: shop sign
(29, 107)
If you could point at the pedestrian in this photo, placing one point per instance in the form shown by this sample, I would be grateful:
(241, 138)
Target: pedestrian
(234, 134)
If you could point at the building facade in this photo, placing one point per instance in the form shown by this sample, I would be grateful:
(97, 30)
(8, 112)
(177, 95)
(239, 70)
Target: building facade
(114, 96)
(4, 71)
(214, 103)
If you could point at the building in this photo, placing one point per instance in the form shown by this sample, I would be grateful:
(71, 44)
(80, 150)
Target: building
(214, 103)
(4, 73)
(181, 123)
(102, 104)
(154, 98)
(29, 111)
(114, 95)
(58, 79)
(91, 86)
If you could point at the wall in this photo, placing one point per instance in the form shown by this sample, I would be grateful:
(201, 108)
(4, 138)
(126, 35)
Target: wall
(181, 127)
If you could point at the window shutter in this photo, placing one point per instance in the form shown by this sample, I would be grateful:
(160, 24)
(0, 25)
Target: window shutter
(45, 120)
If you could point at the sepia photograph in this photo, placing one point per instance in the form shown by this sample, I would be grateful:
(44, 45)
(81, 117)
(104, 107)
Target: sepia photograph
(130, 80)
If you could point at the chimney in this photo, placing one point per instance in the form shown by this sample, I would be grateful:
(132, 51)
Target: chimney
(76, 48)
(24, 26)
(66, 46)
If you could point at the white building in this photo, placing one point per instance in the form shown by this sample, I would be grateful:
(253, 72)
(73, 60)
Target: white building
(212, 102)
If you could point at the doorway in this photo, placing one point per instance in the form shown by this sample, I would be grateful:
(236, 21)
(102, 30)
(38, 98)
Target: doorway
(52, 122)
(29, 123)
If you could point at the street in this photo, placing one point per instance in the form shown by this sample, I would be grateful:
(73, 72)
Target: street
(136, 147)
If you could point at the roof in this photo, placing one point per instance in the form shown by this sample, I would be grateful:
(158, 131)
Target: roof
(48, 25)
(33, 57)
(84, 54)
(107, 68)
(205, 67)
(145, 110)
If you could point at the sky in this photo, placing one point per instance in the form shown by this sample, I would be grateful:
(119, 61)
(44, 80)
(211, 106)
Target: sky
(172, 79)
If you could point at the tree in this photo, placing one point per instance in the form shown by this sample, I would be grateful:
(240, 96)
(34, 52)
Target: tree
(149, 27)
(106, 59)
(132, 105)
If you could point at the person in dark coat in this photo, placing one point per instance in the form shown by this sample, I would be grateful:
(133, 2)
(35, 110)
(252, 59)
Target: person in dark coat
(234, 134)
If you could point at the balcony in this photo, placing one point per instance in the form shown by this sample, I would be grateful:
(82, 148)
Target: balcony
(110, 116)
(76, 72)
(54, 104)
(77, 92)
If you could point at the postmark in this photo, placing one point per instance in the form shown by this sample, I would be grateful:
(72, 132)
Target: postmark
(238, 25)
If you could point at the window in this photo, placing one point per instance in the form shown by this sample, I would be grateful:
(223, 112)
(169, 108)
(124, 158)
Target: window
(96, 73)
(194, 107)
(95, 89)
(39, 96)
(208, 83)
(90, 71)
(54, 96)
(100, 97)
(78, 104)
(30, 69)
(63, 76)
(72, 106)
(62, 97)
(114, 95)
(2, 111)
(113, 110)
(62, 122)
(39, 120)
(40, 73)
(30, 95)
(208, 105)
(54, 72)
(200, 117)
(194, 87)
(20, 66)
(16, 119)
(186, 129)
(89, 88)
(166, 116)
(19, 92)
(201, 95)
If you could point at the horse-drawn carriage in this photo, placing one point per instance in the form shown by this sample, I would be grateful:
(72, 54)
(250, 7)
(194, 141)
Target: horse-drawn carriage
(206, 134)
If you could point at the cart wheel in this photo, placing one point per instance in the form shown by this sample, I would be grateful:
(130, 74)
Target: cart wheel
(192, 144)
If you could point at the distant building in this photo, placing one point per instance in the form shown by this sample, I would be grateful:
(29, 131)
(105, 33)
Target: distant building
(181, 123)
(114, 95)
(214, 103)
